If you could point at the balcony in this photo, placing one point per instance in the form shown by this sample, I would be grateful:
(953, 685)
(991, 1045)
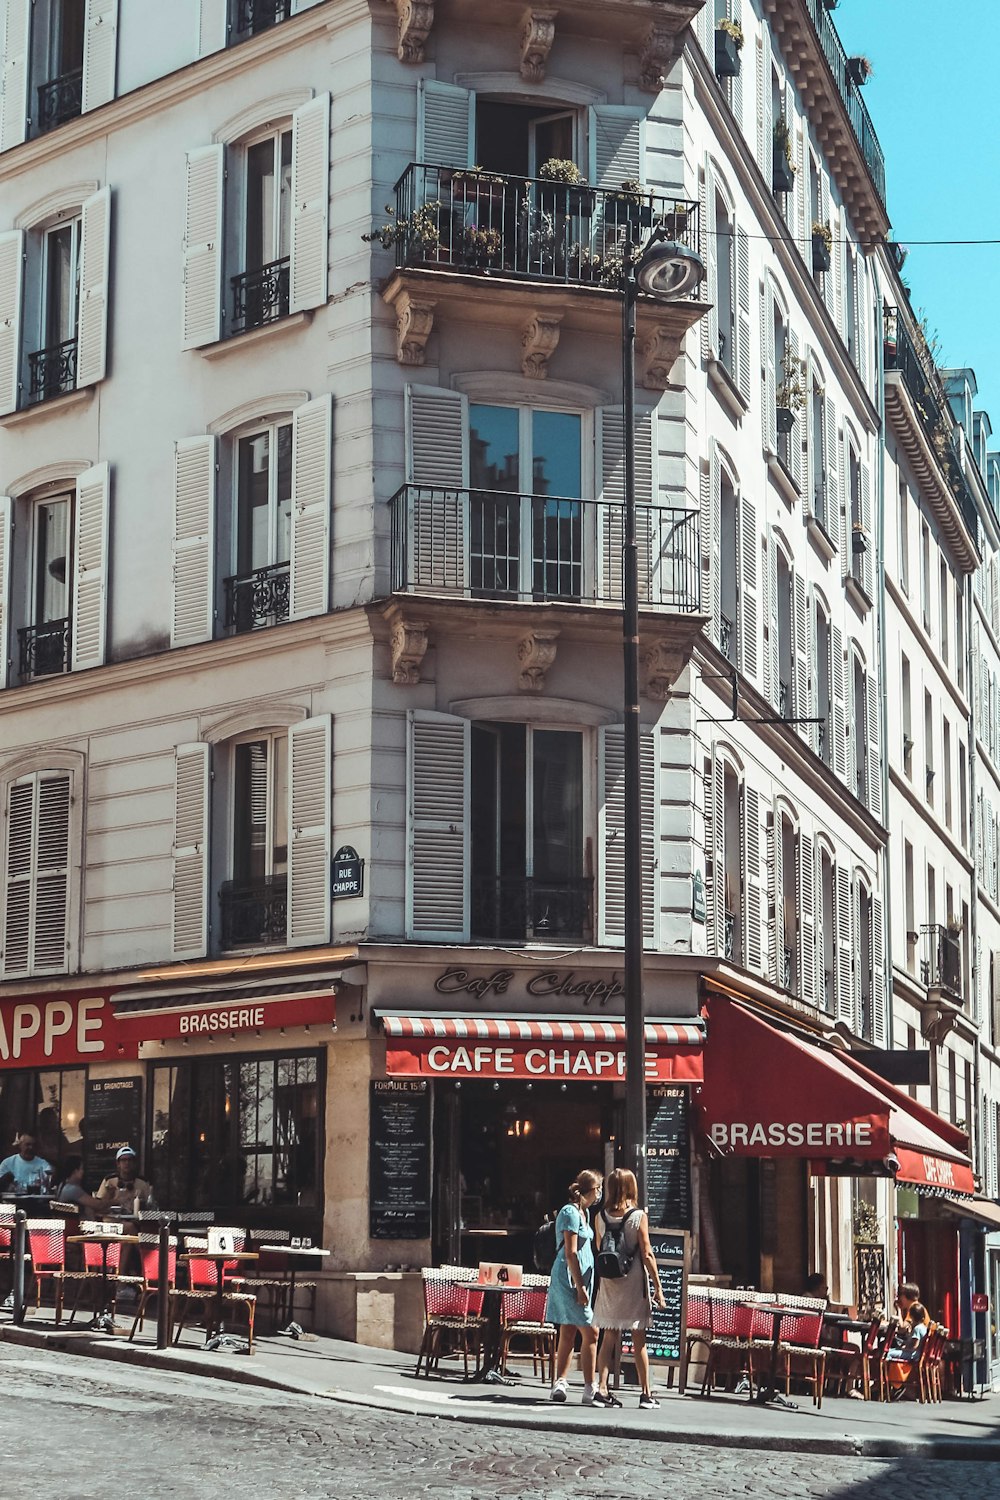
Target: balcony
(260, 296)
(941, 964)
(489, 544)
(519, 908)
(44, 650)
(258, 599)
(254, 912)
(59, 100)
(52, 371)
(917, 408)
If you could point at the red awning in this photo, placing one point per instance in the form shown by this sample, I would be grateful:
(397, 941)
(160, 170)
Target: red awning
(225, 1015)
(542, 1047)
(768, 1093)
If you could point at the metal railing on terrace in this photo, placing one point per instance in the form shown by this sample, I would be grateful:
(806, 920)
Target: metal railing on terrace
(486, 222)
(492, 544)
(941, 964)
(864, 130)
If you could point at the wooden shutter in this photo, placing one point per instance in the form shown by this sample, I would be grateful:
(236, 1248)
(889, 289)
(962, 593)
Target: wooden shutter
(839, 703)
(715, 540)
(37, 871)
(617, 145)
(310, 204)
(851, 746)
(772, 654)
(190, 894)
(312, 460)
(776, 898)
(867, 521)
(802, 706)
(748, 549)
(735, 13)
(445, 124)
(704, 33)
(203, 247)
(839, 228)
(845, 966)
(811, 731)
(11, 276)
(807, 919)
(824, 960)
(709, 234)
(14, 73)
(437, 462)
(95, 247)
(826, 218)
(743, 313)
(861, 314)
(90, 567)
(612, 836)
(610, 468)
(715, 856)
(213, 26)
(844, 461)
(831, 455)
(769, 421)
(193, 615)
(753, 956)
(310, 816)
(765, 124)
(437, 844)
(6, 537)
(880, 1030)
(873, 726)
(100, 53)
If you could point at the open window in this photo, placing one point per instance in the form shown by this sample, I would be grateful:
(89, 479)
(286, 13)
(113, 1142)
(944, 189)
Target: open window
(59, 61)
(253, 902)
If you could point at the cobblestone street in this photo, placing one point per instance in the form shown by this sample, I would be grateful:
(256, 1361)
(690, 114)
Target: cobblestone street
(176, 1435)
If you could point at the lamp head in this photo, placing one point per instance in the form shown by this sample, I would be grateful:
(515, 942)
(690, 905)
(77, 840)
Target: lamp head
(666, 270)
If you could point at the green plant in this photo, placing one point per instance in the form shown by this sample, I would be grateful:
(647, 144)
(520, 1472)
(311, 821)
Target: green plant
(733, 29)
(860, 68)
(867, 1225)
(482, 243)
(783, 140)
(631, 191)
(822, 231)
(791, 388)
(558, 169)
(420, 230)
(477, 174)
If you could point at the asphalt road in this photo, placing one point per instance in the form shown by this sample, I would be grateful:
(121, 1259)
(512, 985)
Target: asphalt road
(76, 1431)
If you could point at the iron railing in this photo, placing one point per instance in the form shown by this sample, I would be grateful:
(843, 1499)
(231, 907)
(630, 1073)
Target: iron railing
(253, 16)
(520, 908)
(864, 130)
(528, 227)
(497, 545)
(869, 1279)
(44, 649)
(727, 638)
(52, 371)
(59, 100)
(258, 598)
(260, 296)
(900, 353)
(941, 965)
(729, 934)
(254, 912)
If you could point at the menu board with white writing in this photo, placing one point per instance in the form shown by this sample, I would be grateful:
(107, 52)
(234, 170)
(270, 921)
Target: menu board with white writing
(113, 1115)
(665, 1338)
(399, 1178)
(668, 1156)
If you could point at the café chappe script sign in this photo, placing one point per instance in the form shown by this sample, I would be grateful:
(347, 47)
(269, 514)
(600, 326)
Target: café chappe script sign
(544, 986)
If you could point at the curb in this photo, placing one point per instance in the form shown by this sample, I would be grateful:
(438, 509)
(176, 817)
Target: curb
(977, 1450)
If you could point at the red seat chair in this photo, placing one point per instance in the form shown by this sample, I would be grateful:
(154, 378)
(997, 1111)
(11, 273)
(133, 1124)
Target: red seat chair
(47, 1246)
(452, 1315)
(149, 1281)
(202, 1290)
(524, 1317)
(729, 1351)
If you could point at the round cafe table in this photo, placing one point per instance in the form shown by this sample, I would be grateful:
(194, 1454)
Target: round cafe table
(219, 1258)
(777, 1313)
(103, 1320)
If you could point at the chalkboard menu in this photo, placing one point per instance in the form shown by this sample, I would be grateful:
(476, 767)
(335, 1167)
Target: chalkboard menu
(665, 1339)
(399, 1178)
(668, 1156)
(113, 1114)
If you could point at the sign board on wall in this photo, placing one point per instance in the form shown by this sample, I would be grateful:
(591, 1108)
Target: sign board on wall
(668, 1156)
(665, 1339)
(399, 1175)
(581, 1061)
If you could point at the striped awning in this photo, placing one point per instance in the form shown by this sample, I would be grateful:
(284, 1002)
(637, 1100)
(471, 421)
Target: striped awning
(541, 1029)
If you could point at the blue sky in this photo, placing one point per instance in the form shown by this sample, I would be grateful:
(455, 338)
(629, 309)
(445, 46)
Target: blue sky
(935, 105)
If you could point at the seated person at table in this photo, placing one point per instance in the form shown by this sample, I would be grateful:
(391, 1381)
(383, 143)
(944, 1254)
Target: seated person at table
(910, 1334)
(907, 1294)
(72, 1190)
(27, 1172)
(124, 1190)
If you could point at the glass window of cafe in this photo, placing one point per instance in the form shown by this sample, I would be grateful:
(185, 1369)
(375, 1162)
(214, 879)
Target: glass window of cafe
(240, 1133)
(48, 1101)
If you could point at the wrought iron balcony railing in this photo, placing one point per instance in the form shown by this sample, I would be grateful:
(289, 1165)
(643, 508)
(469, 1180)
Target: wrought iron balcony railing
(254, 912)
(486, 222)
(260, 296)
(257, 599)
(864, 130)
(490, 544)
(519, 908)
(253, 16)
(941, 965)
(44, 649)
(52, 371)
(727, 638)
(59, 100)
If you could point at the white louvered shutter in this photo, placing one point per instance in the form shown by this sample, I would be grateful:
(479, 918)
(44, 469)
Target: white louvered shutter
(824, 960)
(867, 521)
(202, 320)
(437, 471)
(831, 442)
(11, 276)
(190, 894)
(873, 749)
(772, 653)
(6, 537)
(776, 898)
(36, 905)
(811, 731)
(769, 421)
(743, 368)
(617, 145)
(796, 441)
(312, 461)
(839, 704)
(802, 706)
(845, 965)
(445, 124)
(610, 469)
(437, 844)
(704, 33)
(14, 70)
(715, 514)
(193, 615)
(709, 228)
(807, 919)
(100, 53)
(748, 551)
(95, 248)
(611, 836)
(880, 1030)
(715, 856)
(90, 567)
(765, 124)
(753, 956)
(310, 204)
(213, 26)
(838, 223)
(735, 12)
(826, 218)
(310, 816)
(851, 747)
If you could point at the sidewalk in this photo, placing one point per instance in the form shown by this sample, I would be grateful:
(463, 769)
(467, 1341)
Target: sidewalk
(354, 1374)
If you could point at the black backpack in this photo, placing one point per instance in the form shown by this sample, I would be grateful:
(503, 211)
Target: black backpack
(613, 1260)
(543, 1247)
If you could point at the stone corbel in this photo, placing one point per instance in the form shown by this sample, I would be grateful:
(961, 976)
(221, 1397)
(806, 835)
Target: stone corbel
(664, 663)
(408, 643)
(536, 652)
(538, 30)
(414, 321)
(416, 17)
(539, 340)
(660, 49)
(657, 353)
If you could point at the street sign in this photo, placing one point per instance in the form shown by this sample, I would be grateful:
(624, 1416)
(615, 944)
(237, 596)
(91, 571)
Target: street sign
(348, 872)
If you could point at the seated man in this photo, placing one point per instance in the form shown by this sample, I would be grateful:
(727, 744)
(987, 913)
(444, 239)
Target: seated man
(124, 1190)
(26, 1172)
(72, 1190)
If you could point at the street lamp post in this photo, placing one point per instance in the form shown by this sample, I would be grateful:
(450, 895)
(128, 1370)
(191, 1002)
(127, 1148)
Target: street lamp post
(666, 272)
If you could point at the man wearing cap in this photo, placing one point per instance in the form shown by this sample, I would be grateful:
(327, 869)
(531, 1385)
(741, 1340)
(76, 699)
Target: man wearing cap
(124, 1190)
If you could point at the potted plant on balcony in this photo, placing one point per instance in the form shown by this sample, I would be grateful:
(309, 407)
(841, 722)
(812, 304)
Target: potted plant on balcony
(419, 232)
(859, 70)
(675, 221)
(568, 193)
(485, 192)
(822, 237)
(782, 169)
(629, 208)
(790, 393)
(728, 42)
(859, 538)
(482, 244)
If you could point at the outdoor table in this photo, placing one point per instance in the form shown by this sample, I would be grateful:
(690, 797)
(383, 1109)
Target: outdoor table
(219, 1258)
(844, 1324)
(492, 1306)
(103, 1319)
(777, 1312)
(296, 1253)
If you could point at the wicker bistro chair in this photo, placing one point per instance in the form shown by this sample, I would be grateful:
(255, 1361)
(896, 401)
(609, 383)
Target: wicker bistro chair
(47, 1245)
(7, 1241)
(929, 1370)
(524, 1317)
(148, 1283)
(729, 1348)
(845, 1364)
(452, 1314)
(800, 1353)
(90, 1277)
(699, 1320)
(202, 1288)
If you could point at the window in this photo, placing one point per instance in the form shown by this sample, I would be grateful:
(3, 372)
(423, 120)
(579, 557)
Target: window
(60, 97)
(52, 370)
(851, 302)
(253, 16)
(946, 770)
(929, 746)
(783, 858)
(817, 434)
(725, 272)
(824, 685)
(257, 593)
(253, 903)
(49, 1101)
(959, 639)
(963, 798)
(909, 915)
(260, 290)
(45, 644)
(907, 716)
(733, 946)
(787, 705)
(826, 897)
(36, 874)
(859, 537)
(925, 576)
(862, 771)
(866, 964)
(945, 612)
(729, 624)
(528, 878)
(904, 537)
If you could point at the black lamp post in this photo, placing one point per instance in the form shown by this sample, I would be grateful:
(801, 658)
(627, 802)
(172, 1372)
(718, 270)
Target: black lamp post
(666, 272)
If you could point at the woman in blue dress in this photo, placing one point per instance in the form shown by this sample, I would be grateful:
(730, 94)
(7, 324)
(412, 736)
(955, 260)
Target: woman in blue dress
(570, 1303)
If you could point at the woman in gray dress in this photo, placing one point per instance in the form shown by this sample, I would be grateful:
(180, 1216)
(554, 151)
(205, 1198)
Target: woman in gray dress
(624, 1301)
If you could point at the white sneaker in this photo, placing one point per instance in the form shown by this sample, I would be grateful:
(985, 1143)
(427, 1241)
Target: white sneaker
(589, 1392)
(559, 1391)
